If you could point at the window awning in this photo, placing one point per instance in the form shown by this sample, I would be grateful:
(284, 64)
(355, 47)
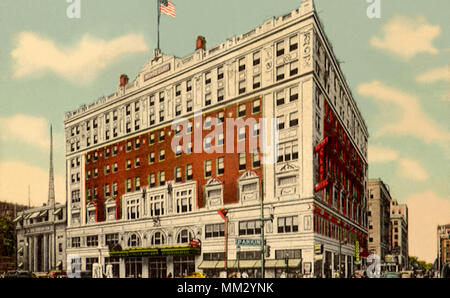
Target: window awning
(43, 213)
(57, 211)
(17, 219)
(35, 214)
(156, 251)
(20, 250)
(58, 264)
(208, 265)
(20, 265)
(27, 216)
(281, 263)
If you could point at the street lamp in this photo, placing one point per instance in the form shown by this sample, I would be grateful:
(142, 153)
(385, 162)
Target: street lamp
(223, 213)
(340, 255)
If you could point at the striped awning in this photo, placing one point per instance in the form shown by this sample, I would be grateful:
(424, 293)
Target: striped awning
(17, 219)
(35, 214)
(57, 211)
(43, 213)
(20, 250)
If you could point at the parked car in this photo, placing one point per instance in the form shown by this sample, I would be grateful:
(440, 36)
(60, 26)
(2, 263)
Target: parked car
(58, 274)
(195, 275)
(18, 274)
(407, 274)
(391, 275)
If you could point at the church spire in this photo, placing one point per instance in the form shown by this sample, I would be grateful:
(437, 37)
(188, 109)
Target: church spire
(51, 180)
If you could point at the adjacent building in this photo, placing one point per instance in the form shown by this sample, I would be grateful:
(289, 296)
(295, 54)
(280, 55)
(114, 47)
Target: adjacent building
(41, 240)
(399, 222)
(379, 216)
(443, 249)
(148, 167)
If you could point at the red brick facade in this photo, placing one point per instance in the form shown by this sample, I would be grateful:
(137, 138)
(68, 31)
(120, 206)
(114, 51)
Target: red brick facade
(171, 161)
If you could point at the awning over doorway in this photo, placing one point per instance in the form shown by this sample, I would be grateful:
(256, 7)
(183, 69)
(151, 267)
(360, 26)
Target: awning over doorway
(156, 251)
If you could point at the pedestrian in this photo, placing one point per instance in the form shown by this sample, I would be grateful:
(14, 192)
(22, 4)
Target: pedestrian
(169, 275)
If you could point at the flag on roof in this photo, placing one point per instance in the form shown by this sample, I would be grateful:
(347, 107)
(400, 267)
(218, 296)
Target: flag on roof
(167, 8)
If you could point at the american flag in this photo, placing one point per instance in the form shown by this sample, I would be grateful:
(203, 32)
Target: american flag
(167, 8)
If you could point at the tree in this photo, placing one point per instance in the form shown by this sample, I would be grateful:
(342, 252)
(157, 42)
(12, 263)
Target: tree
(7, 238)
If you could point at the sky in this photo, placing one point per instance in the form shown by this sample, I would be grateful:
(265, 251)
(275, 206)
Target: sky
(397, 67)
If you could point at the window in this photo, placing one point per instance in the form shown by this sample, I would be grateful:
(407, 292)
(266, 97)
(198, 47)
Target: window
(161, 113)
(107, 169)
(293, 94)
(128, 164)
(220, 117)
(249, 227)
(241, 64)
(115, 115)
(220, 73)
(112, 239)
(241, 133)
(178, 109)
(92, 241)
(257, 81)
(134, 241)
(280, 48)
(220, 139)
(241, 111)
(207, 168)
(128, 185)
(151, 157)
(178, 174)
(256, 160)
(76, 242)
(137, 143)
(241, 87)
(75, 196)
(288, 224)
(152, 100)
(156, 206)
(136, 106)
(162, 135)
(189, 105)
(215, 230)
(256, 58)
(128, 147)
(178, 90)
(95, 123)
(95, 172)
(158, 238)
(208, 99)
(207, 143)
(188, 85)
(207, 123)
(256, 106)
(184, 236)
(208, 78)
(183, 265)
(256, 127)
(114, 189)
(280, 72)
(293, 119)
(189, 174)
(220, 166)
(280, 98)
(220, 94)
(293, 68)
(133, 267)
(184, 201)
(151, 139)
(242, 162)
(128, 110)
(162, 178)
(137, 184)
(161, 96)
(162, 154)
(293, 43)
(133, 208)
(280, 121)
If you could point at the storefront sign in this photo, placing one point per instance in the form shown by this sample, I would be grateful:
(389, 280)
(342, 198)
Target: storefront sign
(248, 242)
(153, 251)
(318, 249)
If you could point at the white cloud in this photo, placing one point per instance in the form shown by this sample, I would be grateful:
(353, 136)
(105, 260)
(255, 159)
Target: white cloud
(380, 154)
(411, 169)
(412, 122)
(406, 167)
(15, 176)
(435, 75)
(426, 211)
(408, 36)
(80, 63)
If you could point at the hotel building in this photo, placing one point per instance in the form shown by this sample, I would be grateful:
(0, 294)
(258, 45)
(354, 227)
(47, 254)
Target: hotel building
(149, 207)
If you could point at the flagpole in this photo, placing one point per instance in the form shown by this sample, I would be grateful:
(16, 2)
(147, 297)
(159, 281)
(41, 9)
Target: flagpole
(159, 16)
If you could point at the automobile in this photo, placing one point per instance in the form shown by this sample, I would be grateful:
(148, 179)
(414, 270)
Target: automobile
(58, 274)
(445, 273)
(195, 275)
(42, 275)
(18, 274)
(407, 274)
(391, 275)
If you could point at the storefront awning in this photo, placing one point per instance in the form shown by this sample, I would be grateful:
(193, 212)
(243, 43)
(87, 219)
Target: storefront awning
(208, 265)
(156, 251)
(17, 219)
(57, 211)
(292, 263)
(230, 264)
(35, 214)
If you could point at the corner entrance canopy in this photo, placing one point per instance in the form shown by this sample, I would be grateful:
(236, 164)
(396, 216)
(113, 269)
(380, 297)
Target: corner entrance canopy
(156, 252)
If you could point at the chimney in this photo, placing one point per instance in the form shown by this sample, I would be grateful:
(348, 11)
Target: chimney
(201, 43)
(123, 80)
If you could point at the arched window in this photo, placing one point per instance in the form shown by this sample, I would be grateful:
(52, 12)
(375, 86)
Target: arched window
(185, 236)
(158, 238)
(134, 241)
